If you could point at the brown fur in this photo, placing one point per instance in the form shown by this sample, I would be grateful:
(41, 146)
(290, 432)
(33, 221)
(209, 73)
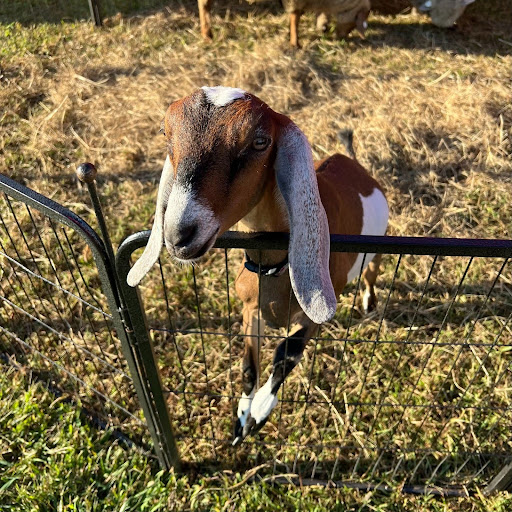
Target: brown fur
(340, 180)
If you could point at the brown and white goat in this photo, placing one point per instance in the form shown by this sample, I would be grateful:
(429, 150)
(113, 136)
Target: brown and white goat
(233, 159)
(349, 14)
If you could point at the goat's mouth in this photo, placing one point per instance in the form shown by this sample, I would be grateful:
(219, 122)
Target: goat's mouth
(192, 253)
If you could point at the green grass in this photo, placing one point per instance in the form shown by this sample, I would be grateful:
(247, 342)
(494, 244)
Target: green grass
(51, 459)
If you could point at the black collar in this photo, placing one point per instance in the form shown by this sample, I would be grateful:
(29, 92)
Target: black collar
(266, 270)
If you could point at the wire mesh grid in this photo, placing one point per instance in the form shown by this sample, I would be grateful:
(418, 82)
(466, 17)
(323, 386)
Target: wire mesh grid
(416, 392)
(55, 321)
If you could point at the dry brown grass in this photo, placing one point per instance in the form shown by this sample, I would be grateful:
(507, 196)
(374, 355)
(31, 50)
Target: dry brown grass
(432, 116)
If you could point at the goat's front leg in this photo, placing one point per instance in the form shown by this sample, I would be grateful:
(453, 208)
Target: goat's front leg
(254, 327)
(286, 357)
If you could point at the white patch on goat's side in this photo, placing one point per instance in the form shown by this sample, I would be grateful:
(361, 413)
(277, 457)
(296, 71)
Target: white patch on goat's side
(375, 222)
(221, 96)
(264, 401)
(244, 407)
(365, 25)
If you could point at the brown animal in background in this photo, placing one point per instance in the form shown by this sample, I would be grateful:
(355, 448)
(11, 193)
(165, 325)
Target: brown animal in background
(233, 159)
(349, 14)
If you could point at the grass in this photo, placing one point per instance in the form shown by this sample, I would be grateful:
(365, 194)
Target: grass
(432, 115)
(52, 459)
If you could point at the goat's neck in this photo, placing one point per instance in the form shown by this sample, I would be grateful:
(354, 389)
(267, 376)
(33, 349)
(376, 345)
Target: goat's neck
(268, 215)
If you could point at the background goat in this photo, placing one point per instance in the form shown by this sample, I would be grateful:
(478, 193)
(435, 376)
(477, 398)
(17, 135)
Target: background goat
(444, 13)
(349, 14)
(231, 158)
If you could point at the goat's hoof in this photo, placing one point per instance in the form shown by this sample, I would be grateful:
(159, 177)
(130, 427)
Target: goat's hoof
(370, 308)
(238, 434)
(251, 427)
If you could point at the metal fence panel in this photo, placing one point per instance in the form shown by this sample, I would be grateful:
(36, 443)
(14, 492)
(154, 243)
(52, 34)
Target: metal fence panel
(413, 394)
(60, 315)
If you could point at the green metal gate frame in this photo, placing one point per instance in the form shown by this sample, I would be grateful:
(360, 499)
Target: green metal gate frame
(140, 358)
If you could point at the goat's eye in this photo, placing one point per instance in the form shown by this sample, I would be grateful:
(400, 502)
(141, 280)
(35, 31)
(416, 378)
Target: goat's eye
(260, 143)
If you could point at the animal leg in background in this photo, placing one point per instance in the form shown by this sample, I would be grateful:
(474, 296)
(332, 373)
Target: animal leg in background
(370, 276)
(204, 18)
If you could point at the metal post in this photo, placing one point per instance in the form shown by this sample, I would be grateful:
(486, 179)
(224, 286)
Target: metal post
(501, 482)
(139, 332)
(94, 7)
(136, 344)
(87, 173)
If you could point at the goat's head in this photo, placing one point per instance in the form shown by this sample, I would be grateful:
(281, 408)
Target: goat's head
(224, 145)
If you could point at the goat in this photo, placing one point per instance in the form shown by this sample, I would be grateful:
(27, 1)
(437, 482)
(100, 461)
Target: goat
(444, 13)
(349, 14)
(230, 158)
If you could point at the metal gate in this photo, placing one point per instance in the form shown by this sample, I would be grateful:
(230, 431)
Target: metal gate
(413, 396)
(62, 318)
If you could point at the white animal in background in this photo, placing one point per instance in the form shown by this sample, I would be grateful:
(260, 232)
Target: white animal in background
(444, 13)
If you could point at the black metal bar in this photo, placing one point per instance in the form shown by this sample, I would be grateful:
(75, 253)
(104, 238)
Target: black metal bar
(374, 244)
(367, 486)
(135, 321)
(94, 6)
(87, 173)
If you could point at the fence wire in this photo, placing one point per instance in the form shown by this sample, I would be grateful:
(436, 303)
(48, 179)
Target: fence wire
(415, 392)
(55, 321)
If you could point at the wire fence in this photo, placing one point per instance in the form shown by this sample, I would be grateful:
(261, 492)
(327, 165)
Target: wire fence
(56, 11)
(413, 395)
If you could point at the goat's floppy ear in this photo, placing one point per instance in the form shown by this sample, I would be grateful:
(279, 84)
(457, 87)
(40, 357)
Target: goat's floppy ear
(309, 229)
(152, 251)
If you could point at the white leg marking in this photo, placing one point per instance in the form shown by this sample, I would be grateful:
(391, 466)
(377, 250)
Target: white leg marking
(366, 299)
(264, 401)
(244, 406)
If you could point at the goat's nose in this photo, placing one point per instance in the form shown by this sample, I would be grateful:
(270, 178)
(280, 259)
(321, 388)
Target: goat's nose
(184, 235)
